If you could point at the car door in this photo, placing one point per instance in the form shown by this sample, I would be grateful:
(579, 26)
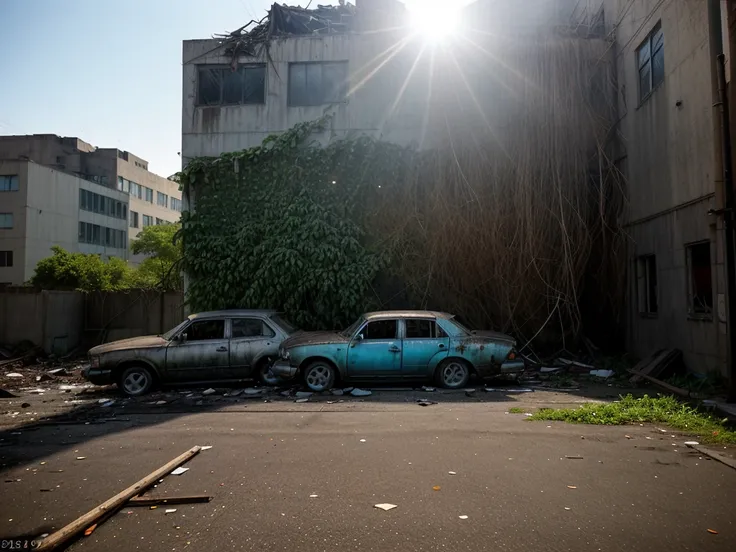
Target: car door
(249, 338)
(424, 345)
(376, 350)
(202, 355)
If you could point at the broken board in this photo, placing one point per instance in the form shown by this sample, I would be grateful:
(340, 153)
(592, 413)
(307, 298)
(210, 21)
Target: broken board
(655, 364)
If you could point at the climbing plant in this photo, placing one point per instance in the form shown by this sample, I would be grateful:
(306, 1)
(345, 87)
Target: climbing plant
(279, 226)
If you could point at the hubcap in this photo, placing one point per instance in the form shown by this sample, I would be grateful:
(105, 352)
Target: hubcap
(318, 377)
(267, 376)
(454, 374)
(135, 382)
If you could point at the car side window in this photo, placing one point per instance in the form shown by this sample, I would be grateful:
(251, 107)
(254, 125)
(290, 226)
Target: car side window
(250, 327)
(206, 330)
(422, 329)
(380, 329)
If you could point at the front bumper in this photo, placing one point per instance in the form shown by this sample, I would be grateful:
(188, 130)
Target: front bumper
(97, 376)
(283, 369)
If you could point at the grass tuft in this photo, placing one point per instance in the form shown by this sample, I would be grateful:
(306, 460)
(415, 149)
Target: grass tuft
(630, 410)
(516, 410)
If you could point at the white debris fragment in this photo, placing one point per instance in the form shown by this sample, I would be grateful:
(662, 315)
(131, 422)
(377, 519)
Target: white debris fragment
(385, 507)
(362, 440)
(108, 403)
(170, 511)
(463, 517)
(337, 392)
(452, 473)
(528, 415)
(360, 392)
(314, 496)
(691, 443)
(601, 373)
(13, 375)
(179, 471)
(81, 457)
(251, 391)
(305, 399)
(303, 394)
(159, 403)
(429, 389)
(205, 447)
(209, 391)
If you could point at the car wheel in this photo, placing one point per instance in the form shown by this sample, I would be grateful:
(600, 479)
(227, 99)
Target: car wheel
(320, 376)
(453, 374)
(136, 381)
(266, 376)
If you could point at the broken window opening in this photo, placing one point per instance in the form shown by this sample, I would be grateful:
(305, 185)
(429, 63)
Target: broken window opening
(700, 279)
(646, 275)
(223, 86)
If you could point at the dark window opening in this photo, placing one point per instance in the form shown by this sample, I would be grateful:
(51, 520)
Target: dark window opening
(6, 258)
(650, 62)
(381, 329)
(646, 274)
(250, 327)
(699, 274)
(223, 86)
(206, 330)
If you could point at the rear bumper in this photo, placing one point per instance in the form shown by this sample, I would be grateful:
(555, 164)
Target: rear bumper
(283, 369)
(513, 367)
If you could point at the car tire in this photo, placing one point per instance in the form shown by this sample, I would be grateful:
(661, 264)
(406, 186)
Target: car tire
(453, 373)
(136, 381)
(265, 376)
(320, 376)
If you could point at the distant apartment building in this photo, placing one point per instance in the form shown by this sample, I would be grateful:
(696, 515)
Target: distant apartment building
(41, 207)
(120, 185)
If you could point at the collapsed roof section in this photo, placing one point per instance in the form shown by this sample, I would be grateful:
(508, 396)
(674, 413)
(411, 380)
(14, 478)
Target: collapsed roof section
(283, 21)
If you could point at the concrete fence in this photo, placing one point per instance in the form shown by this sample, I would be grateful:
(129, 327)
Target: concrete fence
(60, 321)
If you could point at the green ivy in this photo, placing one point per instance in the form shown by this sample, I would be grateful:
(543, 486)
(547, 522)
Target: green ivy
(280, 225)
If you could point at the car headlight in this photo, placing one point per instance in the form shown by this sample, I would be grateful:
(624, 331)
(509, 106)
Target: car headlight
(94, 361)
(284, 354)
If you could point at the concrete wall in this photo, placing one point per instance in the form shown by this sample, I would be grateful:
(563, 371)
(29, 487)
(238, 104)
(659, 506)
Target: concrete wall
(59, 321)
(13, 239)
(50, 319)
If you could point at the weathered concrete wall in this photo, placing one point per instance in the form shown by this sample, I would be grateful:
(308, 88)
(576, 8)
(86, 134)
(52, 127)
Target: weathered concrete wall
(52, 320)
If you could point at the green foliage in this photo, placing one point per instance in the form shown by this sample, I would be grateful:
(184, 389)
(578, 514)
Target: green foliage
(160, 269)
(516, 410)
(629, 410)
(279, 226)
(65, 270)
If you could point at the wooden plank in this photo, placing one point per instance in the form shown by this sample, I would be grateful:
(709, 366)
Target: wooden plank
(112, 505)
(655, 364)
(152, 501)
(663, 385)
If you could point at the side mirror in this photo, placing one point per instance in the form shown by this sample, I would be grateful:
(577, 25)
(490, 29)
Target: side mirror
(356, 339)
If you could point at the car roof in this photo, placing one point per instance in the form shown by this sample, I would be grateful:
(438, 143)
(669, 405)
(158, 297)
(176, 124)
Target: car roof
(234, 312)
(406, 314)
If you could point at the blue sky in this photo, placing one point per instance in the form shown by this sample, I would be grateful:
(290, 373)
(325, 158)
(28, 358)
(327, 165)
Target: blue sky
(110, 72)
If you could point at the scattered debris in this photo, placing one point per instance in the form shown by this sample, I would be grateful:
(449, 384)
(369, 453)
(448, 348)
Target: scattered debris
(463, 517)
(337, 392)
(362, 440)
(25, 405)
(712, 531)
(159, 403)
(306, 399)
(108, 403)
(179, 471)
(574, 457)
(503, 390)
(436, 488)
(250, 391)
(348, 389)
(209, 391)
(360, 392)
(429, 389)
(470, 392)
(385, 507)
(169, 510)
(58, 372)
(314, 496)
(452, 473)
(43, 377)
(566, 508)
(13, 375)
(425, 402)
(152, 501)
(550, 369)
(571, 487)
(691, 443)
(303, 394)
(81, 457)
(90, 530)
(235, 392)
(205, 447)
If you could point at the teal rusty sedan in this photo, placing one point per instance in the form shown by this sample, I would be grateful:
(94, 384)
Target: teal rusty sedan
(397, 345)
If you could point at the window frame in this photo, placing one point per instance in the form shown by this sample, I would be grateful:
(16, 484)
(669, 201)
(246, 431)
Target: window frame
(243, 69)
(6, 258)
(10, 179)
(648, 43)
(437, 329)
(323, 100)
(11, 218)
(397, 332)
(263, 323)
(187, 330)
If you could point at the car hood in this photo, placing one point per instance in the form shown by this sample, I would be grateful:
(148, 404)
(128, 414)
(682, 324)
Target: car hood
(493, 336)
(145, 342)
(300, 339)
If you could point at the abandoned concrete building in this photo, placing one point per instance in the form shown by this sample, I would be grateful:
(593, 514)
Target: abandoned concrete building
(361, 64)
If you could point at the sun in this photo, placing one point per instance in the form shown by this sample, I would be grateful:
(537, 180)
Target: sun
(434, 21)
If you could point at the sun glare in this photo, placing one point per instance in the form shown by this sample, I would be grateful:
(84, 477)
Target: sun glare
(435, 21)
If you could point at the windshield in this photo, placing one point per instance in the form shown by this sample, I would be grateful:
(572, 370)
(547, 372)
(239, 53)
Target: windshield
(171, 333)
(457, 323)
(284, 324)
(350, 330)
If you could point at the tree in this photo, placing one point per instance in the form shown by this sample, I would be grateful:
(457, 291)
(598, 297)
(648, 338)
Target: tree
(66, 270)
(160, 268)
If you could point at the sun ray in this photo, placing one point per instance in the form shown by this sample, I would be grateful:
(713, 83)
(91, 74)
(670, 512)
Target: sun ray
(396, 49)
(404, 86)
